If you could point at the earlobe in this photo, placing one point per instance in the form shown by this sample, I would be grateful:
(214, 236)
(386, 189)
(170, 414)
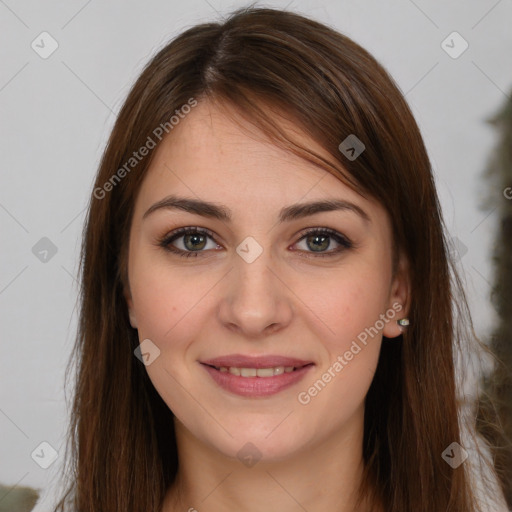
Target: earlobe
(131, 312)
(399, 301)
(396, 326)
(133, 320)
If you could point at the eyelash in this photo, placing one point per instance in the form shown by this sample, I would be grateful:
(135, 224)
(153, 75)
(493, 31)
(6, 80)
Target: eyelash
(166, 241)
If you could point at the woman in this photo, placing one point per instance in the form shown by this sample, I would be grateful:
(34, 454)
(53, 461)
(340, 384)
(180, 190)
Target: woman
(266, 317)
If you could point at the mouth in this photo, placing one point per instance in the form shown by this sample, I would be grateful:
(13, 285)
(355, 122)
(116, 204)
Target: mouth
(257, 372)
(256, 377)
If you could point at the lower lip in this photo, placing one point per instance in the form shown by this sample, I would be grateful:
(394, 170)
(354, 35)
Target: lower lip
(256, 386)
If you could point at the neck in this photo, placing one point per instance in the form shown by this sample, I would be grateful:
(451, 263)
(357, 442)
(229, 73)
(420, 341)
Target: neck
(324, 476)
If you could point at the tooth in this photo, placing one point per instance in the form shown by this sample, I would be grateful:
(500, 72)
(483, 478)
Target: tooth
(265, 372)
(256, 372)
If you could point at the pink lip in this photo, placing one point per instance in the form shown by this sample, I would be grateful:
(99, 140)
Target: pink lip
(241, 361)
(256, 386)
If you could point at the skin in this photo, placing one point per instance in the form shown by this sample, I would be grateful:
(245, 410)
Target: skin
(282, 303)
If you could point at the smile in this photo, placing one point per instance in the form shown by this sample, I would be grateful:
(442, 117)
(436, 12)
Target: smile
(256, 382)
(256, 372)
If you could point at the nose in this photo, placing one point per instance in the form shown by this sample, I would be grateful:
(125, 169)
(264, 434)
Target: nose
(256, 301)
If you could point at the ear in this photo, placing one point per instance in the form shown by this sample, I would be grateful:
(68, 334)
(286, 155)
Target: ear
(131, 311)
(399, 298)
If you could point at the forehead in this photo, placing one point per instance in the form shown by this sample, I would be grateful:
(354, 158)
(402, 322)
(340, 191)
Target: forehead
(211, 156)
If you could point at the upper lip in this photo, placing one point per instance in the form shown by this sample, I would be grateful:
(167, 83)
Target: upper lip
(242, 361)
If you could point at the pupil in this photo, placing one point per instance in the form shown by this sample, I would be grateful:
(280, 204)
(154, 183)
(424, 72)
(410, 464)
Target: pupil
(196, 240)
(322, 245)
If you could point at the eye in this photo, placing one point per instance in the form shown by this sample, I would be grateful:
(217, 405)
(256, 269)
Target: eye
(320, 239)
(191, 241)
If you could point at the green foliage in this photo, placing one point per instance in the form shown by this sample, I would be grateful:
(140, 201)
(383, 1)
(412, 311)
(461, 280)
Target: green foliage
(17, 499)
(495, 403)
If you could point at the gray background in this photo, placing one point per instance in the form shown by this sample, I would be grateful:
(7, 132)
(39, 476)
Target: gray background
(56, 114)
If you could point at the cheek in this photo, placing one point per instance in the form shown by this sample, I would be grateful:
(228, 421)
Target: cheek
(156, 308)
(163, 303)
(352, 305)
(168, 311)
(352, 310)
(168, 303)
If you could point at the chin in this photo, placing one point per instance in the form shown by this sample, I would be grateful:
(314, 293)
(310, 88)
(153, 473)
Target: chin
(264, 443)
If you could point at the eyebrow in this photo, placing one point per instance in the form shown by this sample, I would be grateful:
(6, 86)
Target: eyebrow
(287, 214)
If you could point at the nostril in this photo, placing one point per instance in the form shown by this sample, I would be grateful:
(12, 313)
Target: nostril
(272, 327)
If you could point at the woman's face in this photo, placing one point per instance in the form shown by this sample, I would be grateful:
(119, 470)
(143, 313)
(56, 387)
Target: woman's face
(252, 291)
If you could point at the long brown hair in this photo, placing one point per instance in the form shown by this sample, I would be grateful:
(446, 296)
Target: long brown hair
(122, 451)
